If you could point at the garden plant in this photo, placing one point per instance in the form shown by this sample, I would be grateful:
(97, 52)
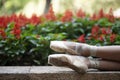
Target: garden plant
(25, 41)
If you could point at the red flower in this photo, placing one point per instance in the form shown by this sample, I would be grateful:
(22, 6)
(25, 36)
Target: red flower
(50, 15)
(16, 31)
(80, 13)
(106, 31)
(82, 38)
(35, 20)
(3, 34)
(101, 38)
(101, 13)
(103, 30)
(94, 17)
(95, 31)
(110, 16)
(14, 18)
(23, 20)
(67, 16)
(4, 20)
(112, 37)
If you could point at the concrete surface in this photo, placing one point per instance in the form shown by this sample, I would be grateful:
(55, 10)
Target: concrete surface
(53, 73)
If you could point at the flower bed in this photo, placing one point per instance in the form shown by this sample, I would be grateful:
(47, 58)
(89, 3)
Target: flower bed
(25, 41)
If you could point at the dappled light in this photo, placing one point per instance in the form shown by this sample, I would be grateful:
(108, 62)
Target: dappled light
(34, 8)
(29, 7)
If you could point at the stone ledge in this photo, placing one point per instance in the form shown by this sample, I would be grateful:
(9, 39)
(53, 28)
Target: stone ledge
(53, 73)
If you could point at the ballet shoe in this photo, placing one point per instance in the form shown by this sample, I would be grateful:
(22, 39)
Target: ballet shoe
(73, 48)
(77, 63)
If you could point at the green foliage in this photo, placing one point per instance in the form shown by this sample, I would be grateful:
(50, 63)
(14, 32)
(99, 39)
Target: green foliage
(116, 27)
(33, 46)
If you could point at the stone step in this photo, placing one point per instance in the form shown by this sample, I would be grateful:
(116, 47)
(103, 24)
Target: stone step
(53, 73)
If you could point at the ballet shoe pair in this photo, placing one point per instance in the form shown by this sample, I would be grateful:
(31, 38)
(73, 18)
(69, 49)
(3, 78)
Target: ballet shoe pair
(71, 60)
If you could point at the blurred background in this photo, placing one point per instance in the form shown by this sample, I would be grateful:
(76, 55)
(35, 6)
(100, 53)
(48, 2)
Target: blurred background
(32, 48)
(39, 7)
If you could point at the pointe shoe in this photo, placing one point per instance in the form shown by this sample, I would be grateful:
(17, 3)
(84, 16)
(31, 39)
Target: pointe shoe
(76, 63)
(69, 47)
